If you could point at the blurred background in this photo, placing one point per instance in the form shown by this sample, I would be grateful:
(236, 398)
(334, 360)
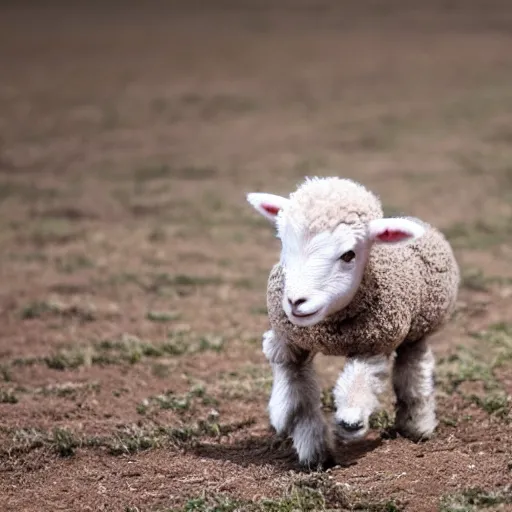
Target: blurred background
(134, 272)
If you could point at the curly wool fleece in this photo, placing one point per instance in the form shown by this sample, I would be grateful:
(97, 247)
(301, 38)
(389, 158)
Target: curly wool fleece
(408, 291)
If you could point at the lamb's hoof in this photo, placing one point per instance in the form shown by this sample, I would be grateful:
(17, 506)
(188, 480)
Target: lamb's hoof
(351, 431)
(414, 436)
(417, 422)
(323, 464)
(416, 432)
(389, 433)
(328, 463)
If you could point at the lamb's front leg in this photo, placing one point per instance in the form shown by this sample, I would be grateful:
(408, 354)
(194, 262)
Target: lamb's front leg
(356, 394)
(295, 405)
(413, 381)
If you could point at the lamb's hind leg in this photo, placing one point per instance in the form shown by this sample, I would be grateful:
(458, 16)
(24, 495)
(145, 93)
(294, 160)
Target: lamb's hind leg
(413, 382)
(295, 406)
(356, 394)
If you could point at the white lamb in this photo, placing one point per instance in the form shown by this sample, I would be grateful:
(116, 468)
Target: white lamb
(352, 283)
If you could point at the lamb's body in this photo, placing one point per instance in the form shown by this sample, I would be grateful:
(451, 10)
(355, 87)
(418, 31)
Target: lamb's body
(344, 287)
(406, 294)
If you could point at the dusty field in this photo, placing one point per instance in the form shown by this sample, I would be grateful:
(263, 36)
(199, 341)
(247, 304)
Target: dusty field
(133, 272)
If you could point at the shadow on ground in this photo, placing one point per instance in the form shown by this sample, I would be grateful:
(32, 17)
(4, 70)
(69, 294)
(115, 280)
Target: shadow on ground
(279, 452)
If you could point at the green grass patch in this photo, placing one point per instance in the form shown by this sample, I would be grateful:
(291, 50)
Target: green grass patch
(499, 338)
(165, 284)
(299, 499)
(381, 420)
(307, 496)
(259, 311)
(28, 439)
(475, 499)
(126, 350)
(317, 493)
(162, 316)
(187, 280)
(29, 257)
(67, 389)
(249, 284)
(327, 400)
(132, 349)
(64, 442)
(480, 234)
(60, 440)
(161, 370)
(250, 382)
(179, 403)
(68, 359)
(24, 191)
(126, 439)
(122, 279)
(132, 439)
(476, 365)
(449, 421)
(470, 364)
(474, 279)
(48, 231)
(497, 404)
(73, 263)
(7, 396)
(5, 373)
(462, 366)
(44, 308)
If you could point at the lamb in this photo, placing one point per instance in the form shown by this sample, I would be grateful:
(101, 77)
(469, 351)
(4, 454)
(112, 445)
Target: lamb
(352, 283)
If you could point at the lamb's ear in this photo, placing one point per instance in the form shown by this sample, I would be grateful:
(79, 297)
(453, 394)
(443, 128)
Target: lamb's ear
(394, 230)
(268, 205)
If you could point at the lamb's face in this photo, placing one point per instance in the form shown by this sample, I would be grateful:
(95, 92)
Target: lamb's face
(324, 268)
(322, 271)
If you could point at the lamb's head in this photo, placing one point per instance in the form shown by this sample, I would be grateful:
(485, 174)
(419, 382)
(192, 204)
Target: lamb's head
(327, 228)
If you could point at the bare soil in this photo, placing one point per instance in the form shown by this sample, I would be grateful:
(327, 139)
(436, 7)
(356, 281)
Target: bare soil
(133, 272)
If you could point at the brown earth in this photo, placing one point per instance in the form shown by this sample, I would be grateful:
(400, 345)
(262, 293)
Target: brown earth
(133, 272)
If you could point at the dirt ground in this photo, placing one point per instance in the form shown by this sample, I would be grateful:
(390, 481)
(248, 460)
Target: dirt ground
(133, 271)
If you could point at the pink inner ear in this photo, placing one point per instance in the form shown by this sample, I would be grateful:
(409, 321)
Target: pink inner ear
(392, 235)
(270, 208)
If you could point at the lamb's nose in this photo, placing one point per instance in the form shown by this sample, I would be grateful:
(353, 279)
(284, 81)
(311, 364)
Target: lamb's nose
(296, 303)
(351, 427)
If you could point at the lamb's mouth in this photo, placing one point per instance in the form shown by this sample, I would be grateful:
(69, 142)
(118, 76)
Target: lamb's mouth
(305, 315)
(306, 319)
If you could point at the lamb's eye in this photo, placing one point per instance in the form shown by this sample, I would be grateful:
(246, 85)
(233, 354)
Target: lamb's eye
(348, 256)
